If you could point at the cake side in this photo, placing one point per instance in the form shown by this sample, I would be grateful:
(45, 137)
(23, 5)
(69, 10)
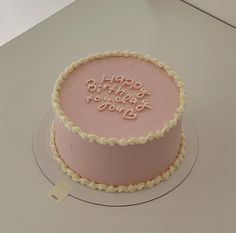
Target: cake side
(117, 165)
(132, 187)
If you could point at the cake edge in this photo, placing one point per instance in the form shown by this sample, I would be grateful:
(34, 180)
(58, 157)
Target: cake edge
(121, 188)
(120, 141)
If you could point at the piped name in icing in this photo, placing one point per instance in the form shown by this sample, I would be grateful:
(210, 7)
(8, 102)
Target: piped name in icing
(120, 94)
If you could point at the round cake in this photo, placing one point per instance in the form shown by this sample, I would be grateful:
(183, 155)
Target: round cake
(118, 119)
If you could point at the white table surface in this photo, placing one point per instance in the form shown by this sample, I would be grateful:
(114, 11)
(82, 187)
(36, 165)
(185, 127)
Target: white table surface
(18, 16)
(201, 49)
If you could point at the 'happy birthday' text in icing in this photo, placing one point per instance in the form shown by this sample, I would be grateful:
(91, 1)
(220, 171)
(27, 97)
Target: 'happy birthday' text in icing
(125, 91)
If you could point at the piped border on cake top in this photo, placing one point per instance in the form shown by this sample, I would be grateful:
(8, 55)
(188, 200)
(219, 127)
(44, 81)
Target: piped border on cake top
(111, 140)
(121, 188)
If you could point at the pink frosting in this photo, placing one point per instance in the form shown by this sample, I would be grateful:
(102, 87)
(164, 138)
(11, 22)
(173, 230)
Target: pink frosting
(117, 165)
(163, 99)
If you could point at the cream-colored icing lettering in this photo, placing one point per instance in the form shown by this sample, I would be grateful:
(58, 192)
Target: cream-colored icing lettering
(136, 86)
(106, 86)
(129, 114)
(142, 93)
(112, 88)
(119, 100)
(104, 105)
(119, 108)
(127, 82)
(123, 89)
(120, 91)
(105, 79)
(90, 81)
(119, 78)
(91, 85)
(144, 104)
(112, 108)
(97, 98)
(89, 98)
(99, 88)
(126, 97)
(133, 101)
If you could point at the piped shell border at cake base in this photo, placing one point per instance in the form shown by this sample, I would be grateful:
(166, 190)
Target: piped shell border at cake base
(121, 188)
(120, 141)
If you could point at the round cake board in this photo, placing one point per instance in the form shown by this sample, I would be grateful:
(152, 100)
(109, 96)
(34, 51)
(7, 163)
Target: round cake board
(53, 172)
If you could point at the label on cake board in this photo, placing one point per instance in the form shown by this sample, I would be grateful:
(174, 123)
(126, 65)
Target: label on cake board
(59, 191)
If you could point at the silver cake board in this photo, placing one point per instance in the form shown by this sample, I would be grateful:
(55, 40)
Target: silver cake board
(53, 172)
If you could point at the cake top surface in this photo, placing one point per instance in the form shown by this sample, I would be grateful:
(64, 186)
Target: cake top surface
(119, 97)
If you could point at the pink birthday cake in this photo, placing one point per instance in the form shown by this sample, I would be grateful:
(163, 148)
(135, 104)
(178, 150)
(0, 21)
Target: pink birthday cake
(118, 121)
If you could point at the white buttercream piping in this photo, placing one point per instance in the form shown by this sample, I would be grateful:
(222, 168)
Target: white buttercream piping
(120, 141)
(121, 188)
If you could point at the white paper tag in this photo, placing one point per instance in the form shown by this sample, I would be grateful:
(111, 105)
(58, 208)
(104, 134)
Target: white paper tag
(59, 191)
